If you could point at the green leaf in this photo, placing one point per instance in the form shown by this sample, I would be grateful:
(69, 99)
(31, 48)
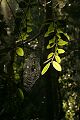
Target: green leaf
(67, 36)
(20, 93)
(29, 29)
(58, 35)
(50, 55)
(50, 30)
(46, 34)
(60, 51)
(59, 31)
(56, 65)
(62, 42)
(17, 77)
(51, 43)
(52, 40)
(20, 51)
(50, 46)
(58, 59)
(23, 36)
(45, 68)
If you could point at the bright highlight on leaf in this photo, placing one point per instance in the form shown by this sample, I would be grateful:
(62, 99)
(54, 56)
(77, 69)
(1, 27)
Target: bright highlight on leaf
(20, 93)
(50, 30)
(50, 55)
(50, 46)
(45, 68)
(52, 41)
(58, 35)
(56, 65)
(62, 42)
(56, 43)
(60, 51)
(20, 51)
(67, 36)
(58, 59)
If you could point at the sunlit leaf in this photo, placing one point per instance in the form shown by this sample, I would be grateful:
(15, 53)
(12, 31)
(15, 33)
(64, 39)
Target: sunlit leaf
(59, 31)
(20, 93)
(29, 29)
(58, 35)
(60, 51)
(46, 34)
(62, 42)
(17, 77)
(56, 65)
(50, 46)
(50, 30)
(51, 43)
(56, 48)
(50, 55)
(52, 40)
(58, 59)
(67, 36)
(20, 51)
(45, 68)
(24, 36)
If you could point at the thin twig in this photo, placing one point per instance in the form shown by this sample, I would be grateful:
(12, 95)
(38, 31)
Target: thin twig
(33, 38)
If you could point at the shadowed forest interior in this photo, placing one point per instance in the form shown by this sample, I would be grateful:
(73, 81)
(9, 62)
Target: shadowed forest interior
(39, 60)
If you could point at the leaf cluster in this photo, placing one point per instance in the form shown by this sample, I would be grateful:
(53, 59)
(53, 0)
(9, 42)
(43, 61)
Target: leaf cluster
(55, 44)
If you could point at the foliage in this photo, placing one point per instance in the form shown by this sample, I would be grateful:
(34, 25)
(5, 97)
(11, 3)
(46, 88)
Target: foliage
(55, 44)
(28, 34)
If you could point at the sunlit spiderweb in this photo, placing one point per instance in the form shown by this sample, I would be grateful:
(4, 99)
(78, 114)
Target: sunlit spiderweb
(31, 71)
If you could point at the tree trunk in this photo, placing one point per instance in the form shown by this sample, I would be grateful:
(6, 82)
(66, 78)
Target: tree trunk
(51, 79)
